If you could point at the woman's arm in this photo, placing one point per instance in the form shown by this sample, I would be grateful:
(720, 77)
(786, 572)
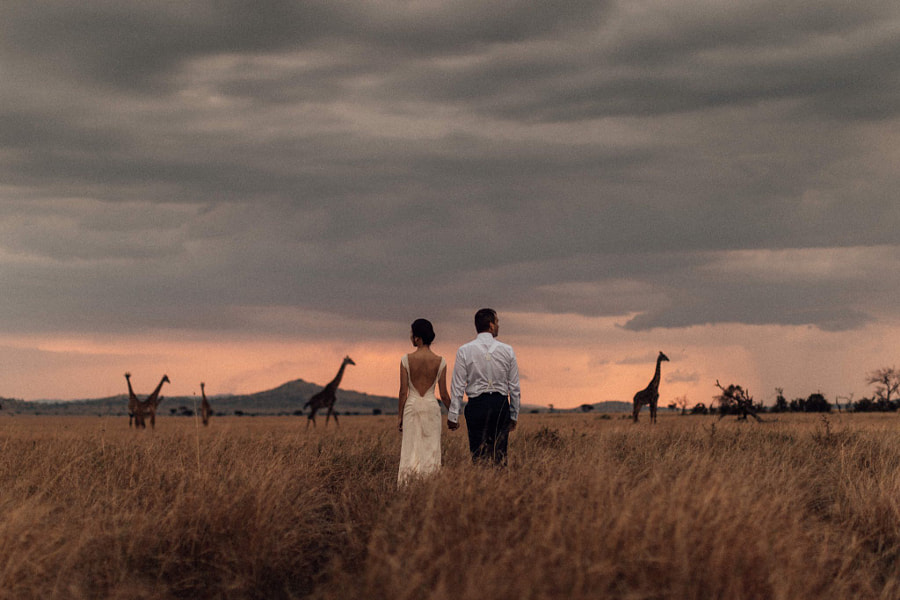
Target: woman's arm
(404, 394)
(442, 382)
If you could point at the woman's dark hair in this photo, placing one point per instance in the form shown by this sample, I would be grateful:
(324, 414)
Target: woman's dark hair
(484, 318)
(421, 328)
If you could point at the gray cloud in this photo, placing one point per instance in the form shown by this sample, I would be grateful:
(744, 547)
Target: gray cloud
(680, 376)
(173, 166)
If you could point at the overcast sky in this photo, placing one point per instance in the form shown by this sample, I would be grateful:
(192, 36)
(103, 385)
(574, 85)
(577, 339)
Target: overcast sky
(246, 191)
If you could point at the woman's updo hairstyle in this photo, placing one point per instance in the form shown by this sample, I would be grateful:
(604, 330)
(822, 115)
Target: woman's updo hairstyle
(421, 328)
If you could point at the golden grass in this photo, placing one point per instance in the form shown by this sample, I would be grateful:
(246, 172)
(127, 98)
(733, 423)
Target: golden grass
(590, 507)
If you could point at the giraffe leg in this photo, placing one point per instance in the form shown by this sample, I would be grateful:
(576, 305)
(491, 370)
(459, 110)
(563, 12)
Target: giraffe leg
(653, 411)
(636, 411)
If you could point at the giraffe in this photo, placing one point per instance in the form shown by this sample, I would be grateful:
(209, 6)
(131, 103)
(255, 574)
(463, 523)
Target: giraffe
(325, 397)
(140, 409)
(650, 394)
(205, 408)
(133, 405)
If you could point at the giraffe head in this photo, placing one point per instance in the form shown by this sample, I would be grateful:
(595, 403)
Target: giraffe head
(348, 361)
(127, 375)
(166, 379)
(662, 356)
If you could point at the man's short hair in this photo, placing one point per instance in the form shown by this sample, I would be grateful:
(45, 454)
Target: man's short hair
(484, 318)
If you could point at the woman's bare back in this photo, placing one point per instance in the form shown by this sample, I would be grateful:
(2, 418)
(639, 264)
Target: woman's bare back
(424, 369)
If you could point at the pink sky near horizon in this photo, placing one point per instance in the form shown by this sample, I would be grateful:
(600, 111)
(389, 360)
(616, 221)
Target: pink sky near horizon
(565, 360)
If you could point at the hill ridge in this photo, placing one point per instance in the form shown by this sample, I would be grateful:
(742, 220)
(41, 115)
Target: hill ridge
(285, 399)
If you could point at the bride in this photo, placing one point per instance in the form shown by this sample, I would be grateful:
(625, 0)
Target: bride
(419, 410)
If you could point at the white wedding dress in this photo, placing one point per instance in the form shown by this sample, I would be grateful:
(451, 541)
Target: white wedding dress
(420, 450)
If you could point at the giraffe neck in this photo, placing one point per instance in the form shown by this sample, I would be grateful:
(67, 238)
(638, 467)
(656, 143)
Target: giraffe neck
(130, 391)
(337, 378)
(655, 383)
(152, 397)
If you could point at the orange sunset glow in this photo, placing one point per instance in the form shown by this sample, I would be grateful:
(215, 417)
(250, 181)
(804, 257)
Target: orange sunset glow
(564, 360)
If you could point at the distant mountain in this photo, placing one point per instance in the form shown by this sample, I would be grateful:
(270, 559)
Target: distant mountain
(286, 399)
(613, 406)
(609, 406)
(290, 397)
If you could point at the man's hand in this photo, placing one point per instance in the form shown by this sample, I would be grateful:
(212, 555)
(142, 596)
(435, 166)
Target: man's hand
(452, 426)
(512, 426)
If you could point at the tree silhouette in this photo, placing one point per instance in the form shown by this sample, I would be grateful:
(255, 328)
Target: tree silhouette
(887, 382)
(736, 399)
(781, 403)
(817, 403)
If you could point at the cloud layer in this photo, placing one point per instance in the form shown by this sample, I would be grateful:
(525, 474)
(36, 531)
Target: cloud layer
(245, 166)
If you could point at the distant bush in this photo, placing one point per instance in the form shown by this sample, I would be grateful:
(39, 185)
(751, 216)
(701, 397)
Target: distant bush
(781, 403)
(817, 403)
(874, 405)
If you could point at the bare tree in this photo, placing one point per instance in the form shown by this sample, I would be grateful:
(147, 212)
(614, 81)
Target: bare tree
(682, 403)
(737, 398)
(887, 382)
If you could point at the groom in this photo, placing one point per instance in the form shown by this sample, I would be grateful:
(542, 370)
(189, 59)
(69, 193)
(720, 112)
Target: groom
(487, 372)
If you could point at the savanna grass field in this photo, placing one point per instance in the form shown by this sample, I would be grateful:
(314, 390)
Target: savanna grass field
(591, 506)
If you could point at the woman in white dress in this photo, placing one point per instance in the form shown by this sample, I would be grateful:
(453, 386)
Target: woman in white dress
(419, 410)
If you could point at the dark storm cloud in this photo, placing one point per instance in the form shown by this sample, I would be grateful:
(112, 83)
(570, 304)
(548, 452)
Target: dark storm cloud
(175, 165)
(681, 58)
(134, 44)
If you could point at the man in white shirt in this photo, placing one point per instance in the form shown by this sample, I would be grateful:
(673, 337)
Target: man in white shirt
(486, 371)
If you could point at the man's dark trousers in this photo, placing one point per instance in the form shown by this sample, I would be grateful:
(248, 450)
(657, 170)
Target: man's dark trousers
(487, 421)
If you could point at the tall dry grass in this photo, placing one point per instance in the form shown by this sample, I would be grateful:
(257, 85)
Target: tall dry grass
(589, 508)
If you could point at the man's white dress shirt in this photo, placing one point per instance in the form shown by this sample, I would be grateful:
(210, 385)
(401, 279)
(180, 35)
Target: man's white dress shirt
(485, 365)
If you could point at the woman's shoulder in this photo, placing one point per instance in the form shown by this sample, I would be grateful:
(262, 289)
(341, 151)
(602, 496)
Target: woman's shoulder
(434, 357)
(429, 358)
